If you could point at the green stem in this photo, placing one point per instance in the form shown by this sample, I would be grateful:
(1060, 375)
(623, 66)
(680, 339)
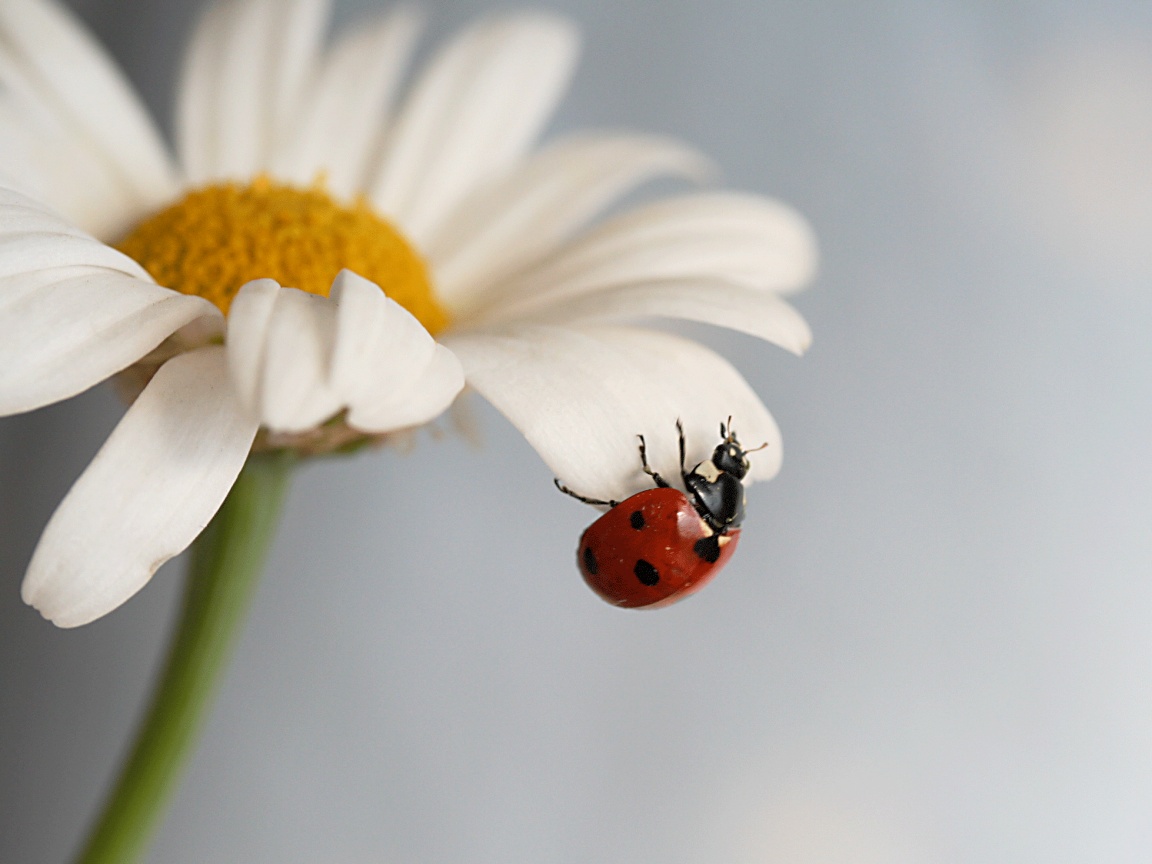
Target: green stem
(226, 561)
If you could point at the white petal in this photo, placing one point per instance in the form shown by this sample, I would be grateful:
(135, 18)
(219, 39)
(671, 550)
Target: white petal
(32, 238)
(242, 83)
(429, 391)
(388, 370)
(279, 344)
(539, 204)
(742, 239)
(746, 310)
(69, 87)
(20, 213)
(72, 310)
(43, 157)
(295, 58)
(247, 331)
(476, 110)
(195, 120)
(301, 331)
(342, 119)
(153, 487)
(241, 97)
(297, 359)
(65, 329)
(581, 396)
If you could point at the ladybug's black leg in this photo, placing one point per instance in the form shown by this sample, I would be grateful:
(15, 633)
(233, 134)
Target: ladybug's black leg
(660, 481)
(680, 433)
(593, 501)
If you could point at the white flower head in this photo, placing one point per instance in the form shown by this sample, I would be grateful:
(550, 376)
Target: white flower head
(326, 261)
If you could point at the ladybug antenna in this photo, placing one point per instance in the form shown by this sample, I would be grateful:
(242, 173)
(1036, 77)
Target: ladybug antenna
(761, 447)
(730, 437)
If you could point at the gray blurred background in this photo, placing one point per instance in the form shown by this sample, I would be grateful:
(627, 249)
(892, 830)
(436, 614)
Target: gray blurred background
(935, 643)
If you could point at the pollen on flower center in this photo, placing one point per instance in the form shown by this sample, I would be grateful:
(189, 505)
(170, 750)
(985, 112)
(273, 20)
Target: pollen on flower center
(219, 237)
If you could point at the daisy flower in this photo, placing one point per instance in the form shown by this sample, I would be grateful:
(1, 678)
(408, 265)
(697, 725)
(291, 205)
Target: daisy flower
(322, 261)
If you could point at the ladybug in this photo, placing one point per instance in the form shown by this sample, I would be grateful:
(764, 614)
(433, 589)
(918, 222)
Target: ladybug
(661, 545)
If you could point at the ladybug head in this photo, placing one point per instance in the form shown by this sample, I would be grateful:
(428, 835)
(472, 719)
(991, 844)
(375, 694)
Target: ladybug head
(729, 456)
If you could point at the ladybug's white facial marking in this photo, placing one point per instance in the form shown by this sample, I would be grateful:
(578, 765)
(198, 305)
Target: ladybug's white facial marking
(707, 470)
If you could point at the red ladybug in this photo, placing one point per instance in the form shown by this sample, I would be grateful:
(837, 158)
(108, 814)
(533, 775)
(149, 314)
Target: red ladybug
(660, 545)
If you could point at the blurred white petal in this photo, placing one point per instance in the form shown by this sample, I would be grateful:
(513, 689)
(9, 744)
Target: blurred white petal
(240, 96)
(541, 202)
(294, 60)
(581, 396)
(66, 106)
(747, 310)
(153, 487)
(242, 82)
(43, 158)
(743, 239)
(475, 111)
(195, 125)
(341, 121)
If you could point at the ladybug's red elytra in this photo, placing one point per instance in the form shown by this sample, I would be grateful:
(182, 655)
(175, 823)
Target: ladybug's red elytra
(661, 545)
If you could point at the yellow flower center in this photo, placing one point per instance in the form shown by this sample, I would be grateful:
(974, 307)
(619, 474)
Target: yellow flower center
(220, 237)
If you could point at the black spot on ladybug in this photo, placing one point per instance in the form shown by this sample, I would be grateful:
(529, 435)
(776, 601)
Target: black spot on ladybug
(590, 561)
(708, 548)
(646, 573)
(637, 519)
